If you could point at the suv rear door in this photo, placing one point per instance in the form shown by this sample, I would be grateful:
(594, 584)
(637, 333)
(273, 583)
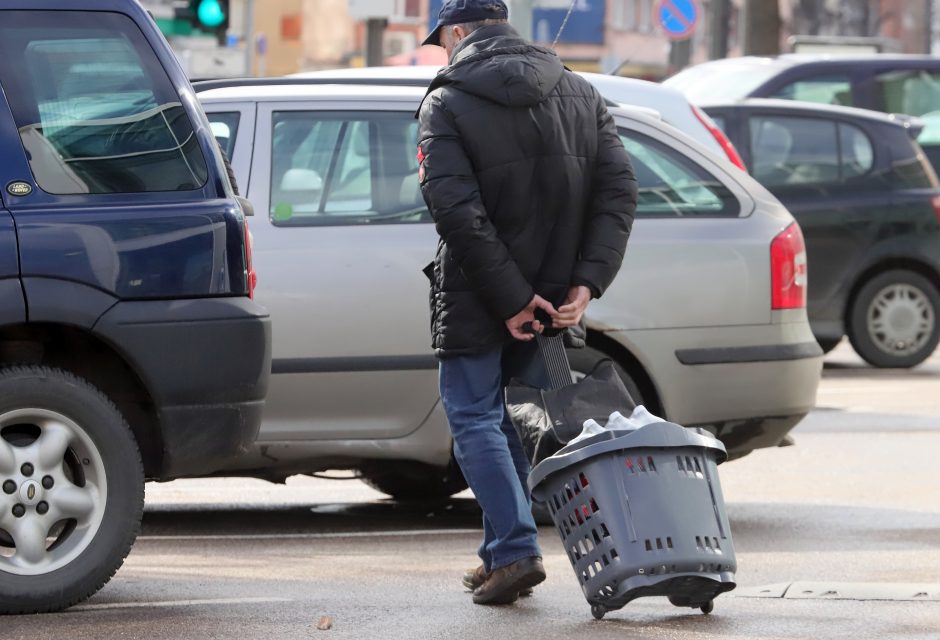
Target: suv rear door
(341, 236)
(12, 305)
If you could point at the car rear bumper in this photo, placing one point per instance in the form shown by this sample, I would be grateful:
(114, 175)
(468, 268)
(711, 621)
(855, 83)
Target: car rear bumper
(749, 384)
(206, 364)
(755, 353)
(198, 440)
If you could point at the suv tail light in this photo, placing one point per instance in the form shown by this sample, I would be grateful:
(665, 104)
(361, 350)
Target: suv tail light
(719, 135)
(788, 269)
(249, 265)
(935, 203)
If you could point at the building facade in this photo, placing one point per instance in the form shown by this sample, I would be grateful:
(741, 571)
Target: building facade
(621, 36)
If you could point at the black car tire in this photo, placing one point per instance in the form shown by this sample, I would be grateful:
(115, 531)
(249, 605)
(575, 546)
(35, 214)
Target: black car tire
(410, 481)
(98, 430)
(865, 339)
(584, 360)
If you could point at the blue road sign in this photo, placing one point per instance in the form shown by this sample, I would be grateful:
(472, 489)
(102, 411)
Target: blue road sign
(678, 18)
(585, 25)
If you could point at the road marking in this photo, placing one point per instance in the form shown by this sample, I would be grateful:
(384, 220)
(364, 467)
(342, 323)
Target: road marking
(895, 591)
(313, 536)
(173, 603)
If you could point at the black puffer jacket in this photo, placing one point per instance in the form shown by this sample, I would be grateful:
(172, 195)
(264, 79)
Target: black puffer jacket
(528, 183)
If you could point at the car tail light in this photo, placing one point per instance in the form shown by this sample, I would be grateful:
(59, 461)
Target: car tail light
(935, 203)
(788, 269)
(719, 135)
(249, 264)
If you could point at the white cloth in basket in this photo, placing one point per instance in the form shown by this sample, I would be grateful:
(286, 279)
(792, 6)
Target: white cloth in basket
(617, 422)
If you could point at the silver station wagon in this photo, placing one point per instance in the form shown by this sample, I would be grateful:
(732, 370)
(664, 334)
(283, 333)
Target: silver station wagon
(706, 320)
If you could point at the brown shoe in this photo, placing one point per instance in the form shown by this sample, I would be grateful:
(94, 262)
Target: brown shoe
(473, 578)
(503, 585)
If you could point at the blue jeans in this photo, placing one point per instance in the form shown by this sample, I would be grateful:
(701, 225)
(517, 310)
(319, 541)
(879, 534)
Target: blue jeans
(487, 448)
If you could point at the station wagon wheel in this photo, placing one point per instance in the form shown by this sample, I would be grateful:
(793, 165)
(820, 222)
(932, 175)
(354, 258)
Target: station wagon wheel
(893, 321)
(584, 360)
(72, 489)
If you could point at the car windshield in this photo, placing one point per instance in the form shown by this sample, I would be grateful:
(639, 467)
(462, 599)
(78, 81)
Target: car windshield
(724, 81)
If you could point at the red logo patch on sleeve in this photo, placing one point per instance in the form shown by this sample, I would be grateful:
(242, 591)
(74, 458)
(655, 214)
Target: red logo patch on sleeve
(420, 164)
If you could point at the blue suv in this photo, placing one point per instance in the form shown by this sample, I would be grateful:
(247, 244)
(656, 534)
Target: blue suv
(130, 346)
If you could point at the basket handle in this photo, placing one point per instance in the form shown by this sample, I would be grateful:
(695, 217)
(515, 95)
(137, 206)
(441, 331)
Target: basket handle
(551, 343)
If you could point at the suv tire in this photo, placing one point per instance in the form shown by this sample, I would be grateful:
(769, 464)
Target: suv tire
(894, 320)
(69, 466)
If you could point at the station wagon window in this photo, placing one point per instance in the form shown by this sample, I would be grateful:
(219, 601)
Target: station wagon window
(671, 185)
(801, 151)
(224, 126)
(95, 109)
(344, 168)
(820, 89)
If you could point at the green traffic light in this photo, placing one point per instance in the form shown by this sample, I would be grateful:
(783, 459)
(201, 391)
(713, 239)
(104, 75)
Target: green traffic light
(210, 13)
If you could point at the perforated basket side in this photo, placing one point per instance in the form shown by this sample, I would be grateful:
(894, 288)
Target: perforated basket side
(581, 524)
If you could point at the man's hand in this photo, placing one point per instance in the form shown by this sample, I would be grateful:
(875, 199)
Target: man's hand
(576, 303)
(514, 324)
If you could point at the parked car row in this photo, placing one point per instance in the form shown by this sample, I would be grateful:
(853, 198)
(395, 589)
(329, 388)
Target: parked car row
(135, 345)
(858, 182)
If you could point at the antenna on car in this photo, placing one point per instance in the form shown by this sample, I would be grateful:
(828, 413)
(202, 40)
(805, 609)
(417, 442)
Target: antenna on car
(564, 23)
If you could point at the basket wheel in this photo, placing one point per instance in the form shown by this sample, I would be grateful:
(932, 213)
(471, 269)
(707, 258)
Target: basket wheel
(598, 611)
(708, 607)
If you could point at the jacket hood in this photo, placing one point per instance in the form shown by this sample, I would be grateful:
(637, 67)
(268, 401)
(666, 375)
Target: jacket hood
(496, 63)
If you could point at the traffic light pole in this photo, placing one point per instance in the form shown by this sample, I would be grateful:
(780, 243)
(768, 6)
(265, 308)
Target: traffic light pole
(719, 28)
(375, 29)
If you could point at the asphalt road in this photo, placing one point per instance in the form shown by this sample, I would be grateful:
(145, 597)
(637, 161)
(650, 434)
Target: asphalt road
(836, 537)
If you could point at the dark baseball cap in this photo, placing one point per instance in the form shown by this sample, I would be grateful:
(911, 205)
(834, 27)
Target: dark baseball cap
(463, 11)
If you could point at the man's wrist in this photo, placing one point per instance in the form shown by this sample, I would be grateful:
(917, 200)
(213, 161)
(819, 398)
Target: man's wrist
(587, 287)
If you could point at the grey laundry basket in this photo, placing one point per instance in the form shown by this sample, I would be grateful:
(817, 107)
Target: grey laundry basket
(640, 513)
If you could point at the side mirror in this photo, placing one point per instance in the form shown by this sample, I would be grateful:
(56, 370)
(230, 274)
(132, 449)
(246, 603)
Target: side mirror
(248, 209)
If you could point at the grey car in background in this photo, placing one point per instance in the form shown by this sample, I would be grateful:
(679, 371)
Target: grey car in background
(706, 320)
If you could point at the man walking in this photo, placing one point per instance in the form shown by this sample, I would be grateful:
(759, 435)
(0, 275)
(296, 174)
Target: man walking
(533, 196)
